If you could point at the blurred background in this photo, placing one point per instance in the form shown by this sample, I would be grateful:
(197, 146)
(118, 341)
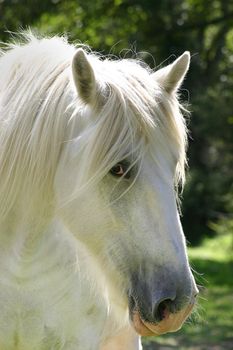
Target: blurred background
(159, 31)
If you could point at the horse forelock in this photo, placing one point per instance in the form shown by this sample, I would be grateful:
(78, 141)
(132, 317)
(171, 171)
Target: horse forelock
(136, 114)
(39, 107)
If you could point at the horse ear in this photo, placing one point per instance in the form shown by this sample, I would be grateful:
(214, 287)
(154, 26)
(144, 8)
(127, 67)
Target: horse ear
(84, 76)
(172, 76)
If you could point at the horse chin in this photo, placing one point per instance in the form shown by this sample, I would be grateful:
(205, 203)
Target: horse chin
(170, 323)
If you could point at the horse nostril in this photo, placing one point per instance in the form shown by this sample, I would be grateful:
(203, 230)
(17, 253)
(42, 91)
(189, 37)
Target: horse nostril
(162, 309)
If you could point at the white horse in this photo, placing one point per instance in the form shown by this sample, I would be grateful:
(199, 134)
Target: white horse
(92, 253)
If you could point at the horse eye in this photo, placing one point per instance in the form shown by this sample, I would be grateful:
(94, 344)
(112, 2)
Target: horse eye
(120, 170)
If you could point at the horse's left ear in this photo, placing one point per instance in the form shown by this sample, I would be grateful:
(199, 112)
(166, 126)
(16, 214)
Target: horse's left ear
(84, 76)
(171, 77)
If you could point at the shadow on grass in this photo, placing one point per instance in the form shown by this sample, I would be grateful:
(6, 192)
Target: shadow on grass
(211, 326)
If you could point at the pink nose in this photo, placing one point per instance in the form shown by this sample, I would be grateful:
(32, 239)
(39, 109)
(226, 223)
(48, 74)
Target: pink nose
(170, 323)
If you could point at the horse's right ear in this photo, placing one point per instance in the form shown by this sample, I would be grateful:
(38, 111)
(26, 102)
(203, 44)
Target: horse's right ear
(84, 77)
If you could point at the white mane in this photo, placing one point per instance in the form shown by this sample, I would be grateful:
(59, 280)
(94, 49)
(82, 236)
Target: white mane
(40, 113)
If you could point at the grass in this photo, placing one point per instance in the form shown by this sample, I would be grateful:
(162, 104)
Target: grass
(211, 326)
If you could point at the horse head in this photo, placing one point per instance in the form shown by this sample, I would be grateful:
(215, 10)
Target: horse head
(116, 186)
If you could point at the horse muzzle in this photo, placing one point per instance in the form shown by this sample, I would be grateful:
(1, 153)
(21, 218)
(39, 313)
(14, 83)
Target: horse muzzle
(161, 306)
(171, 322)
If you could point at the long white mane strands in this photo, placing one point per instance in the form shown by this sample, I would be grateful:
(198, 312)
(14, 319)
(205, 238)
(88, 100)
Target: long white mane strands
(39, 111)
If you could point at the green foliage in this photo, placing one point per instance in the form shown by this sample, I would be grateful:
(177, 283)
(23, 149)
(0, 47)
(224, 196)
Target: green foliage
(164, 29)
